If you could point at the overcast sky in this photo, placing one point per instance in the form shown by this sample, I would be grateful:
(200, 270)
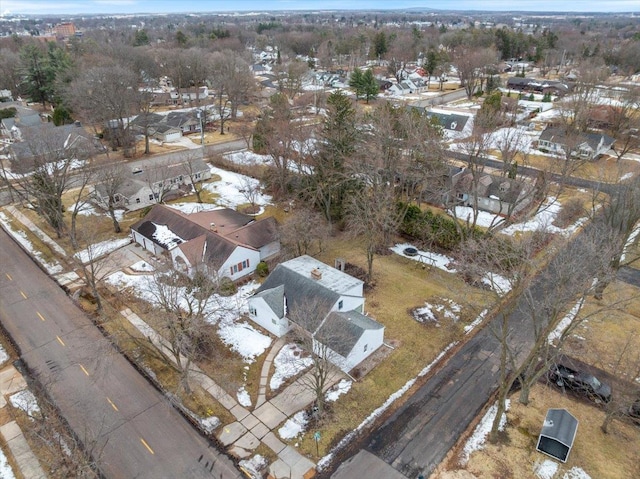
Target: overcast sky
(36, 7)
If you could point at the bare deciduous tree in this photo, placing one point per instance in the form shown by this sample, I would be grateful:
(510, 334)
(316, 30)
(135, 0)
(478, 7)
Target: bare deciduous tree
(183, 304)
(302, 230)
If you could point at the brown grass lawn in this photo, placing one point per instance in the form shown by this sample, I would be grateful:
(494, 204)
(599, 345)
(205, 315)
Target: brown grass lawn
(606, 169)
(603, 456)
(401, 285)
(610, 340)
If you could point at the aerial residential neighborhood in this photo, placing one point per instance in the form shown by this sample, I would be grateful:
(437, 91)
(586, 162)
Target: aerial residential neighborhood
(376, 241)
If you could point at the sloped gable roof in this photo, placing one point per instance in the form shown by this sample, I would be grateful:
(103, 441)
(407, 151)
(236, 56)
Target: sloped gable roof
(301, 293)
(214, 250)
(274, 298)
(342, 330)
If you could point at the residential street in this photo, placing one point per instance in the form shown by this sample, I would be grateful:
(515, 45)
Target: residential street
(128, 425)
(420, 434)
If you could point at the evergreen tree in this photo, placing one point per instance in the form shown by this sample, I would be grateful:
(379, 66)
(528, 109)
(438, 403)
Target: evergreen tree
(356, 81)
(370, 86)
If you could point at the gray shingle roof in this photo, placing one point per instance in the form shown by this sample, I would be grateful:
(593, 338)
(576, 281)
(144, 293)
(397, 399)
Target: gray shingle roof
(342, 330)
(274, 298)
(214, 250)
(303, 294)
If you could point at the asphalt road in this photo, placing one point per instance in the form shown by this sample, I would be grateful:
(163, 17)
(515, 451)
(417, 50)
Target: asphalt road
(128, 425)
(419, 435)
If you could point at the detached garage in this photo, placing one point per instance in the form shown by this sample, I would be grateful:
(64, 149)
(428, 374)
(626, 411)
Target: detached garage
(558, 433)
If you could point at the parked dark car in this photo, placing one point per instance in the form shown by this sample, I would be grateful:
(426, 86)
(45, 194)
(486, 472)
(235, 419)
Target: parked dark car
(581, 382)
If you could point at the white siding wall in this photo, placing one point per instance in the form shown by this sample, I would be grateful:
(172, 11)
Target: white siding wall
(146, 243)
(372, 339)
(266, 318)
(239, 255)
(349, 303)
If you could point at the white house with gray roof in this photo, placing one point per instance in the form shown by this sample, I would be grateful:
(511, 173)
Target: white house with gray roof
(325, 302)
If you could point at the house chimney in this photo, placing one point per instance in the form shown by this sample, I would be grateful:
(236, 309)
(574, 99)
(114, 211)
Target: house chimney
(316, 273)
(214, 228)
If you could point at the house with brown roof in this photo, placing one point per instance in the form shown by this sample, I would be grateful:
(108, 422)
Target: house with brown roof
(221, 242)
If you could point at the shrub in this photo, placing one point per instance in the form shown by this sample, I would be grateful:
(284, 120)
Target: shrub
(571, 210)
(262, 270)
(227, 287)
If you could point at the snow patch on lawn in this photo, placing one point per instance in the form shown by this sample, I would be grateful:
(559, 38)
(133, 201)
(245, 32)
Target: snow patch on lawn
(142, 267)
(52, 267)
(229, 189)
(482, 430)
(471, 326)
(101, 249)
(243, 338)
(546, 469)
(224, 311)
(449, 309)
(26, 401)
(440, 261)
(576, 473)
(565, 322)
(294, 426)
(338, 390)
(543, 220)
(5, 469)
(497, 283)
(243, 397)
(326, 460)
(630, 242)
(3, 357)
(288, 363)
(254, 466)
(210, 424)
(188, 208)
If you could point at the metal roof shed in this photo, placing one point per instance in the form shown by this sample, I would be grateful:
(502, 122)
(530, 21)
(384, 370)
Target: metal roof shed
(558, 433)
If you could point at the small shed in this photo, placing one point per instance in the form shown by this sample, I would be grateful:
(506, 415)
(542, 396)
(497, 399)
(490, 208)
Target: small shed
(558, 433)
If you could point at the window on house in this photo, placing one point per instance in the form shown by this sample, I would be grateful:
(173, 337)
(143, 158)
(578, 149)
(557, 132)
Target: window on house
(137, 200)
(366, 346)
(273, 321)
(234, 269)
(252, 310)
(340, 304)
(150, 197)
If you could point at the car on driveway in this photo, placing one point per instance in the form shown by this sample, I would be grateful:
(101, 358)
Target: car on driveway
(581, 382)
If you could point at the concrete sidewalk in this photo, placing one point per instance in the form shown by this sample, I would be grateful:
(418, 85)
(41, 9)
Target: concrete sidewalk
(250, 428)
(11, 381)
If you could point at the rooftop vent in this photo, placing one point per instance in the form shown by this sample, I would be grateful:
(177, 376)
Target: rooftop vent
(316, 273)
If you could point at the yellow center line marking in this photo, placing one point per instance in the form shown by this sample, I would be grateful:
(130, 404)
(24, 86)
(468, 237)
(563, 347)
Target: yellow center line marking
(144, 443)
(60, 340)
(40, 316)
(9, 276)
(83, 369)
(23, 295)
(113, 406)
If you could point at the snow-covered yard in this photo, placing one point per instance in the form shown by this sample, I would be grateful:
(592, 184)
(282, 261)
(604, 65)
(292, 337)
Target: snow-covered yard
(5, 469)
(232, 189)
(295, 426)
(101, 249)
(440, 261)
(26, 401)
(52, 267)
(447, 309)
(288, 363)
(480, 433)
(240, 336)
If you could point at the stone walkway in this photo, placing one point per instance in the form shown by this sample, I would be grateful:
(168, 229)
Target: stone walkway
(251, 428)
(266, 367)
(11, 381)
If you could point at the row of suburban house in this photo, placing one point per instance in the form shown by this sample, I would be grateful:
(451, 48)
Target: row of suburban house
(302, 294)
